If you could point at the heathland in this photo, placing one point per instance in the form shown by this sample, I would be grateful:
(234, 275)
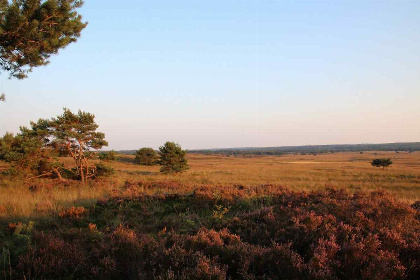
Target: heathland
(351, 171)
(322, 216)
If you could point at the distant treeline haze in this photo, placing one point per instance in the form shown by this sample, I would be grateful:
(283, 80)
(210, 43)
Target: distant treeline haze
(320, 149)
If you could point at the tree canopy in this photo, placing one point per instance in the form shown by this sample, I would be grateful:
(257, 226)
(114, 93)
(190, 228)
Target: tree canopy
(146, 156)
(37, 147)
(172, 158)
(381, 162)
(33, 30)
(76, 134)
(30, 150)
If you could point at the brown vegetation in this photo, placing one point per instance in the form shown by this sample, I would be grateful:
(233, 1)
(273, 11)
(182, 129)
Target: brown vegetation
(268, 232)
(227, 217)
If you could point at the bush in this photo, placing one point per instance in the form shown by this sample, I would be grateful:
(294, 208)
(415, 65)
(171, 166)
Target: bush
(146, 156)
(99, 170)
(381, 162)
(70, 174)
(111, 155)
(103, 170)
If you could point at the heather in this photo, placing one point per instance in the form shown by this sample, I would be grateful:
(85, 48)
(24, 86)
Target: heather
(218, 232)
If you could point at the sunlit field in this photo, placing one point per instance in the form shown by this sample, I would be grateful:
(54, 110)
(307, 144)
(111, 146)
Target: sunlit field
(350, 171)
(274, 217)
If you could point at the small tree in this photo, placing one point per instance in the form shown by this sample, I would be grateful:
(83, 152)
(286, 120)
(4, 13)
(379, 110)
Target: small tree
(38, 147)
(172, 158)
(76, 134)
(146, 156)
(381, 162)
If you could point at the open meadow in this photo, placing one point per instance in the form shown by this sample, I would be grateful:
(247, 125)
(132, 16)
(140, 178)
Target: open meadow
(350, 171)
(227, 217)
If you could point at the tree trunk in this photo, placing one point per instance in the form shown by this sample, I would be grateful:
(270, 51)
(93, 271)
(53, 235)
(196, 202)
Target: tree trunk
(55, 170)
(82, 176)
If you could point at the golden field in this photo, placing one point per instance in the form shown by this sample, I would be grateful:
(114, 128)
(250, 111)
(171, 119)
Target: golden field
(351, 171)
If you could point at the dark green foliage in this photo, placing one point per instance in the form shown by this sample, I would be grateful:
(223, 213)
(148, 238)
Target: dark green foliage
(28, 151)
(70, 173)
(103, 170)
(76, 134)
(37, 148)
(111, 155)
(5, 144)
(381, 162)
(33, 30)
(172, 158)
(14, 244)
(96, 171)
(146, 156)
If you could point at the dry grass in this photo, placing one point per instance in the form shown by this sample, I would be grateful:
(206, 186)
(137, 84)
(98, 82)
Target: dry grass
(351, 171)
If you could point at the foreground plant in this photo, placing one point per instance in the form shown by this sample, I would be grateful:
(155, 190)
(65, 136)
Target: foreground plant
(264, 232)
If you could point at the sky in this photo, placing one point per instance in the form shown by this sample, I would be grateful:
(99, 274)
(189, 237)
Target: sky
(217, 74)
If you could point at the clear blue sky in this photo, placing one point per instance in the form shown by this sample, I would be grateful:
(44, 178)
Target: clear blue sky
(231, 73)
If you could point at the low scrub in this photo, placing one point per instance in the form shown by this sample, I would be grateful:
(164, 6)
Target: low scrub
(110, 156)
(264, 232)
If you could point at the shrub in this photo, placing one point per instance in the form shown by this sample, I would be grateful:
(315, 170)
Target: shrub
(146, 156)
(381, 162)
(103, 170)
(99, 170)
(111, 155)
(280, 234)
(73, 213)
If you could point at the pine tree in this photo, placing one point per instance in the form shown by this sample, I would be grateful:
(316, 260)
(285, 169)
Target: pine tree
(37, 148)
(33, 30)
(29, 150)
(76, 134)
(172, 158)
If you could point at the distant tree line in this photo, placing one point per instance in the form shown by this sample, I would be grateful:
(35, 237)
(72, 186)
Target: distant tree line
(308, 150)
